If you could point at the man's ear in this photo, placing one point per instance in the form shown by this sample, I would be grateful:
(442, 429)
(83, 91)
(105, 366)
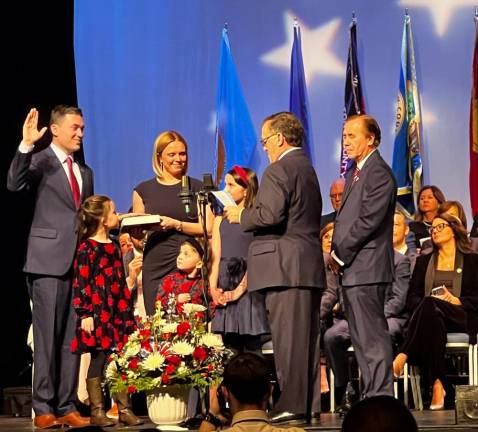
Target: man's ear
(54, 129)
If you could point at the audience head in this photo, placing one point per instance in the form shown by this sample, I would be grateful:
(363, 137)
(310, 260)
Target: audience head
(170, 155)
(447, 228)
(67, 126)
(96, 212)
(326, 234)
(379, 414)
(280, 132)
(400, 229)
(247, 382)
(361, 135)
(455, 209)
(429, 200)
(336, 192)
(125, 243)
(190, 256)
(242, 184)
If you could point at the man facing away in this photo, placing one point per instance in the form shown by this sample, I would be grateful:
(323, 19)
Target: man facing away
(362, 252)
(60, 183)
(285, 263)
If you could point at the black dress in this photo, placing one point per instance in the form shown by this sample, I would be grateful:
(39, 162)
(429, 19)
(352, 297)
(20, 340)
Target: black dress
(247, 315)
(162, 248)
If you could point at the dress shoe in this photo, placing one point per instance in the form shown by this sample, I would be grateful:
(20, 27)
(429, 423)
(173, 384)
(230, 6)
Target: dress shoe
(74, 419)
(288, 417)
(46, 421)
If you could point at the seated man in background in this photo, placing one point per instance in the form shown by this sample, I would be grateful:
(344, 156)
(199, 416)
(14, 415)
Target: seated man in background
(335, 194)
(247, 388)
(337, 338)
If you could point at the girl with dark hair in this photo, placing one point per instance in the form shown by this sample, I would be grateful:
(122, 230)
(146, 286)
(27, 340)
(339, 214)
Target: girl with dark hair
(443, 297)
(240, 316)
(102, 302)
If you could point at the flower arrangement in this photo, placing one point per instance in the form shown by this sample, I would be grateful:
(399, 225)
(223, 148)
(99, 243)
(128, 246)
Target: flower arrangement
(170, 347)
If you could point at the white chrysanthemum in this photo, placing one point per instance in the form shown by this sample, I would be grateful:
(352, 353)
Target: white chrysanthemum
(182, 348)
(212, 340)
(189, 308)
(111, 370)
(183, 369)
(132, 350)
(169, 327)
(153, 362)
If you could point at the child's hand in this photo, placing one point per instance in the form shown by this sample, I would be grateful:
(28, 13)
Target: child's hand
(87, 325)
(135, 266)
(184, 297)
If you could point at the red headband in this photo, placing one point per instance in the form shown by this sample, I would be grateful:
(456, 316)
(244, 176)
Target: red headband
(241, 172)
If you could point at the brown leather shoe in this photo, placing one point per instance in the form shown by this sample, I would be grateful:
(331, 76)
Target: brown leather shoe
(74, 419)
(46, 421)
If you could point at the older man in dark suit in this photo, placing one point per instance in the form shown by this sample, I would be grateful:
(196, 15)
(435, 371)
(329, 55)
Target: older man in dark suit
(285, 261)
(60, 183)
(362, 252)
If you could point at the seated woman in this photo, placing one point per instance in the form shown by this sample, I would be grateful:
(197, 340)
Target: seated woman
(443, 297)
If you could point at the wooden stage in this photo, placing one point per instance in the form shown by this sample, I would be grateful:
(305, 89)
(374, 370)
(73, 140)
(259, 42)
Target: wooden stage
(427, 421)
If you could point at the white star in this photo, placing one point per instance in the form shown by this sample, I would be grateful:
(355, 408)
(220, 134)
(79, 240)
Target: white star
(441, 10)
(316, 49)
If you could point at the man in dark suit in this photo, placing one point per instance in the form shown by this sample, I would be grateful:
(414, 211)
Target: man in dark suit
(335, 194)
(60, 184)
(362, 252)
(285, 261)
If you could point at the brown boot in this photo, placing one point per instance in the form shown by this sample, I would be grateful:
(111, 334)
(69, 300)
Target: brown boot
(97, 403)
(125, 414)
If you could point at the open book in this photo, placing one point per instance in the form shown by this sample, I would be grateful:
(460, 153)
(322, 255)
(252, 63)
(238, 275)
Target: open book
(139, 221)
(224, 199)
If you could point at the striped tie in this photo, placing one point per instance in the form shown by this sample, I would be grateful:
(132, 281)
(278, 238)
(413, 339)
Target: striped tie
(356, 175)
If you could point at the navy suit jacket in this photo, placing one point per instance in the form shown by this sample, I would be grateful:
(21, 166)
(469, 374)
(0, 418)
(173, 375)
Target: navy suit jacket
(286, 250)
(363, 230)
(54, 231)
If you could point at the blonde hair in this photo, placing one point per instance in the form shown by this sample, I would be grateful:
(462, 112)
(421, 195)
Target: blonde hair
(160, 143)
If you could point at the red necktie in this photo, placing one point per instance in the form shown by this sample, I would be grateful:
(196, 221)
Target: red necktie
(356, 175)
(75, 189)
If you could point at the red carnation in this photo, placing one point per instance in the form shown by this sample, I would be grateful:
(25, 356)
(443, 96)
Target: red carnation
(133, 363)
(183, 328)
(123, 377)
(165, 379)
(84, 271)
(199, 353)
(105, 316)
(131, 389)
(146, 345)
(170, 368)
(175, 360)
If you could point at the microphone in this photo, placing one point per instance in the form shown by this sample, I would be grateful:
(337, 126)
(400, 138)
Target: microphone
(186, 195)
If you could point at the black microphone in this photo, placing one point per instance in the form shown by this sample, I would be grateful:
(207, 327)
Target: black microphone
(186, 195)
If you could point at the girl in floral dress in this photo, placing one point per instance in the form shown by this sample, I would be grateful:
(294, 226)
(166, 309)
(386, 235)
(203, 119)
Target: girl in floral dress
(102, 302)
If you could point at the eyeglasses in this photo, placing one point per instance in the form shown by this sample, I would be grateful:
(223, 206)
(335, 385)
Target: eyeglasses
(264, 140)
(438, 228)
(336, 195)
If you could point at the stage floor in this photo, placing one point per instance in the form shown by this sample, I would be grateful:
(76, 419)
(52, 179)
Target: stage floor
(427, 420)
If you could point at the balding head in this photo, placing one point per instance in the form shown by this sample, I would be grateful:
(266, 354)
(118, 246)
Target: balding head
(336, 192)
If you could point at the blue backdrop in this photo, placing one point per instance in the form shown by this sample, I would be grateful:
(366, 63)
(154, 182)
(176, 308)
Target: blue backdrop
(144, 66)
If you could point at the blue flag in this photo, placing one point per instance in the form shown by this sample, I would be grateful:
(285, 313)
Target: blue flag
(407, 162)
(354, 103)
(235, 135)
(298, 101)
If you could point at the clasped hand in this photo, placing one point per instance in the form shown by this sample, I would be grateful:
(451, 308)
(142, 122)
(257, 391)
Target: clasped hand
(448, 297)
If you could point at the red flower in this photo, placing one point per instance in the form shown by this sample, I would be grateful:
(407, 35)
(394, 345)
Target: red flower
(175, 360)
(100, 280)
(123, 305)
(74, 345)
(99, 332)
(146, 345)
(76, 301)
(109, 248)
(96, 299)
(133, 363)
(88, 290)
(165, 379)
(210, 367)
(108, 271)
(105, 316)
(84, 271)
(183, 328)
(103, 261)
(200, 353)
(105, 342)
(115, 288)
(123, 377)
(110, 300)
(131, 389)
(170, 368)
(145, 333)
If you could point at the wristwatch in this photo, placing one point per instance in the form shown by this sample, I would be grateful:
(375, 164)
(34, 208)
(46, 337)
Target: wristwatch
(211, 418)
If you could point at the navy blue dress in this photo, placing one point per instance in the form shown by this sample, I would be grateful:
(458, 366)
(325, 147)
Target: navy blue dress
(247, 315)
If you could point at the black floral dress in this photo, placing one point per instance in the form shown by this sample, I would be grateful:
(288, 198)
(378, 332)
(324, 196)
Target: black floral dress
(100, 291)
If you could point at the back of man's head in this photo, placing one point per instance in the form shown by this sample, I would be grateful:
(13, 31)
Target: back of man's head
(247, 377)
(379, 413)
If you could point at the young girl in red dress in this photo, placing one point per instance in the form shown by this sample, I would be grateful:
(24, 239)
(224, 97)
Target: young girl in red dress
(102, 302)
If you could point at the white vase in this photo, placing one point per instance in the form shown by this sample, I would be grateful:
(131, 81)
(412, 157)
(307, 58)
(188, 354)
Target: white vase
(167, 406)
